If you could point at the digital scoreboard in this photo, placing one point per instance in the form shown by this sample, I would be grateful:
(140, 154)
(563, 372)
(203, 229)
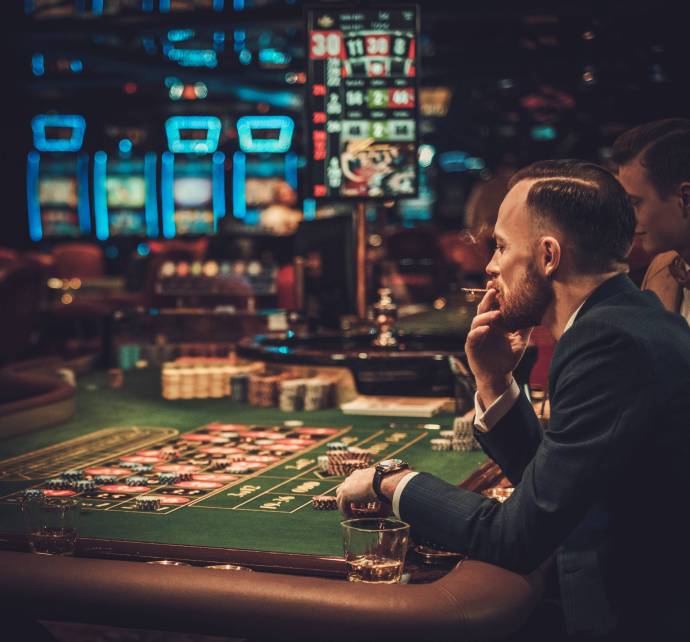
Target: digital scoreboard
(363, 99)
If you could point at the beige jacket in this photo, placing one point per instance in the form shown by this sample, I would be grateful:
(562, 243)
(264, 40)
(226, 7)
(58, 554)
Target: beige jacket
(659, 280)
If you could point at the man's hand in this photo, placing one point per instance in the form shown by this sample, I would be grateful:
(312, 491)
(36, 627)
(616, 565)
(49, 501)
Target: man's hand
(358, 488)
(493, 352)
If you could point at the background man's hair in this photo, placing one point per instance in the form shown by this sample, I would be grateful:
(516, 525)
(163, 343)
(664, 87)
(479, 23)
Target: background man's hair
(587, 204)
(664, 150)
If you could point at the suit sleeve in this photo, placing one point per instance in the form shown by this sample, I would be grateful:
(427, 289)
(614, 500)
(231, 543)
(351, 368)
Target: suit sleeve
(601, 407)
(512, 442)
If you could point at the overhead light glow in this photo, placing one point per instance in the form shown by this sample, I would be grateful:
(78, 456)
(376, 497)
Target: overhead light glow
(248, 124)
(178, 145)
(44, 143)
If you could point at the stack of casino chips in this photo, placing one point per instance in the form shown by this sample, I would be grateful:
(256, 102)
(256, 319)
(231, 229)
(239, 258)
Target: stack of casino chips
(84, 485)
(291, 397)
(168, 478)
(263, 389)
(316, 394)
(136, 480)
(239, 387)
(463, 435)
(147, 502)
(204, 378)
(365, 508)
(342, 460)
(444, 441)
(324, 502)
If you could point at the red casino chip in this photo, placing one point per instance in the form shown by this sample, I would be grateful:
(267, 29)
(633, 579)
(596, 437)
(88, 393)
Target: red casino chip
(141, 459)
(217, 427)
(248, 465)
(302, 443)
(48, 492)
(171, 500)
(108, 470)
(158, 454)
(123, 488)
(262, 459)
(198, 484)
(284, 448)
(221, 450)
(317, 432)
(198, 437)
(177, 468)
(214, 477)
(263, 434)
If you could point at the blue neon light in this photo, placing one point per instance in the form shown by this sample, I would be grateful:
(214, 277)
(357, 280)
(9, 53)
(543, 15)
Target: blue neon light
(83, 208)
(125, 146)
(38, 67)
(291, 169)
(143, 249)
(192, 57)
(100, 196)
(274, 57)
(44, 144)
(218, 5)
(97, 7)
(453, 161)
(218, 188)
(177, 145)
(239, 38)
(147, 5)
(543, 132)
(164, 6)
(239, 172)
(309, 209)
(32, 203)
(149, 44)
(76, 65)
(151, 200)
(238, 5)
(245, 56)
(218, 36)
(167, 198)
(284, 124)
(180, 35)
(282, 99)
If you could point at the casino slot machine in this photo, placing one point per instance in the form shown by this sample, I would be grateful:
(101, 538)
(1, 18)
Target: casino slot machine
(124, 193)
(57, 179)
(264, 168)
(192, 177)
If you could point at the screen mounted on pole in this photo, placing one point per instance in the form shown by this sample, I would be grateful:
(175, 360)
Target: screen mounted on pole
(363, 102)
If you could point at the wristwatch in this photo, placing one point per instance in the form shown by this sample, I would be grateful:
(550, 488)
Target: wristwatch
(383, 468)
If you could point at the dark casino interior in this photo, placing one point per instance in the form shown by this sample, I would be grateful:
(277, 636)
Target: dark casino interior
(240, 254)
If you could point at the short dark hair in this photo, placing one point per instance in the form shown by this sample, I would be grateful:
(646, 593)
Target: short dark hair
(585, 202)
(664, 150)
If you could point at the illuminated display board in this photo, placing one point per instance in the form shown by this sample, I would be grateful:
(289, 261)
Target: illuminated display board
(363, 101)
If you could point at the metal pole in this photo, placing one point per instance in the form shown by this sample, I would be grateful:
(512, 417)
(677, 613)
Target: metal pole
(361, 257)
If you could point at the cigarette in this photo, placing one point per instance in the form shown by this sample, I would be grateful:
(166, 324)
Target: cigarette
(475, 290)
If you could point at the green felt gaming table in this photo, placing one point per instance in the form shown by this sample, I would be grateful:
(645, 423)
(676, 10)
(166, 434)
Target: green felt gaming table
(267, 508)
(261, 519)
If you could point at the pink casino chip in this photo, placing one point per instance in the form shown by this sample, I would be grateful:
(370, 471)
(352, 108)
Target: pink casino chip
(318, 432)
(123, 488)
(48, 492)
(108, 470)
(198, 484)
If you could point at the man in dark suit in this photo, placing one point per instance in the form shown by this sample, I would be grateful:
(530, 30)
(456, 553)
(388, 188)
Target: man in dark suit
(602, 490)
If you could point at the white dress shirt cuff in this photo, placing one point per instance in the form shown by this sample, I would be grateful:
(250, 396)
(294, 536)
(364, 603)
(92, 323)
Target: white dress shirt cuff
(398, 492)
(485, 420)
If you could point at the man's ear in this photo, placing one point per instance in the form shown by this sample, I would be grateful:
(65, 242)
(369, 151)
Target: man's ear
(684, 192)
(550, 255)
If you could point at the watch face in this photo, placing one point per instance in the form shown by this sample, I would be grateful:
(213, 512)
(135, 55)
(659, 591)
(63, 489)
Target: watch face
(391, 464)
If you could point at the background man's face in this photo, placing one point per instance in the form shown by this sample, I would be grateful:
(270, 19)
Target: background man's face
(523, 293)
(659, 221)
